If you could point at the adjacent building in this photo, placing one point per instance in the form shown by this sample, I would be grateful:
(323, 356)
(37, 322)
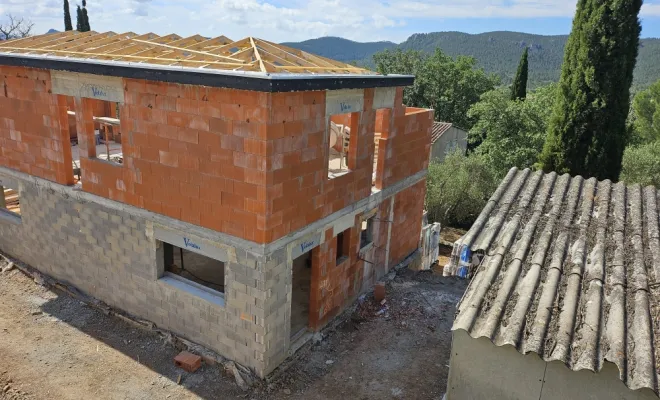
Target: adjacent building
(192, 181)
(564, 298)
(447, 138)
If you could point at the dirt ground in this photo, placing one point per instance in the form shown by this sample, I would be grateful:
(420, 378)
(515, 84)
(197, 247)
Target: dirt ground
(55, 347)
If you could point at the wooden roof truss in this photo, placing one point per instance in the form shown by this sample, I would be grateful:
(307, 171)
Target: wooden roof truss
(219, 53)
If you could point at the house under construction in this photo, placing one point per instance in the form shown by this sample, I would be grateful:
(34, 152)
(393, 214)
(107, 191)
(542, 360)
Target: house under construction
(238, 193)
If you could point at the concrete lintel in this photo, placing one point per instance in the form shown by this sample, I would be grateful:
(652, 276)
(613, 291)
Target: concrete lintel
(174, 224)
(10, 218)
(8, 182)
(214, 250)
(367, 203)
(262, 253)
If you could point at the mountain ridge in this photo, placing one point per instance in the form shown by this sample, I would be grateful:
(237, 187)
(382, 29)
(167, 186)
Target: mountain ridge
(497, 52)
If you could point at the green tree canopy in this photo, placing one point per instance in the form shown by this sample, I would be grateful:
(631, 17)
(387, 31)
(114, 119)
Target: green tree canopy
(458, 188)
(511, 132)
(646, 107)
(587, 133)
(449, 86)
(519, 87)
(67, 17)
(641, 164)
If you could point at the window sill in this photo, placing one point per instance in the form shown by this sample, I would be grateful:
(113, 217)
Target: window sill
(342, 260)
(194, 289)
(10, 218)
(108, 162)
(366, 248)
(333, 175)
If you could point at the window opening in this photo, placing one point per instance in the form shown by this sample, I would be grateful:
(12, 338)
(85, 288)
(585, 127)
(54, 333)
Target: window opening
(300, 294)
(10, 200)
(366, 235)
(343, 245)
(194, 267)
(338, 142)
(106, 130)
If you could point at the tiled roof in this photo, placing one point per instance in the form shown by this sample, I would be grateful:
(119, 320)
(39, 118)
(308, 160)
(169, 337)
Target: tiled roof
(570, 271)
(439, 128)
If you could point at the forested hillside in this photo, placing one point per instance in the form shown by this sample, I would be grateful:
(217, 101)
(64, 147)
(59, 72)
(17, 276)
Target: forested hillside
(342, 49)
(496, 52)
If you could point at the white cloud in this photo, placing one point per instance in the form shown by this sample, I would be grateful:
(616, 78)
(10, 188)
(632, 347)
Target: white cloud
(284, 20)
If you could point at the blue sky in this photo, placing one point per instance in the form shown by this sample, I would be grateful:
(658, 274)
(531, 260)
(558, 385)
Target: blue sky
(294, 20)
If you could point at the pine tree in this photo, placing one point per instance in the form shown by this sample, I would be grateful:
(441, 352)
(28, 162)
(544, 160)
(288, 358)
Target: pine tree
(87, 28)
(79, 19)
(587, 132)
(519, 88)
(67, 17)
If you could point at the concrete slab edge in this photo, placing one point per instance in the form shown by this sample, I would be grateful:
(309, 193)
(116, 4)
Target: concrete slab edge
(256, 249)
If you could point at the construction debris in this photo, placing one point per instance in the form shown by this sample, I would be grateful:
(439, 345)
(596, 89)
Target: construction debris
(8, 267)
(243, 376)
(6, 264)
(379, 291)
(232, 369)
(188, 361)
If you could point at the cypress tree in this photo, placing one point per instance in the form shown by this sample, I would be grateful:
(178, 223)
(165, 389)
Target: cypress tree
(67, 17)
(587, 131)
(519, 88)
(79, 19)
(86, 20)
(87, 28)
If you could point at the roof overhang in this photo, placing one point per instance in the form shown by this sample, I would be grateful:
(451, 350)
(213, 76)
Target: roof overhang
(246, 80)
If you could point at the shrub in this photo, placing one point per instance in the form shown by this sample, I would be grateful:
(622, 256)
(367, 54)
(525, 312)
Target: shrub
(458, 189)
(641, 164)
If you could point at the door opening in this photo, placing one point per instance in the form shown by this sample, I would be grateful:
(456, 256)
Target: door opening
(301, 285)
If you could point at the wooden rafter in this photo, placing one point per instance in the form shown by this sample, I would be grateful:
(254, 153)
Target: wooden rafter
(197, 51)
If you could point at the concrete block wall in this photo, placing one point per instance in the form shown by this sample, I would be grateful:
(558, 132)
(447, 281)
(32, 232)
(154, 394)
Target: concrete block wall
(108, 250)
(33, 125)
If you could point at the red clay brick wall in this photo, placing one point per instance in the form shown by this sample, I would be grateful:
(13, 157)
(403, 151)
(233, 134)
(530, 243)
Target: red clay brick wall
(383, 121)
(251, 164)
(342, 119)
(193, 153)
(34, 134)
(407, 143)
(382, 224)
(407, 223)
(298, 189)
(335, 286)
